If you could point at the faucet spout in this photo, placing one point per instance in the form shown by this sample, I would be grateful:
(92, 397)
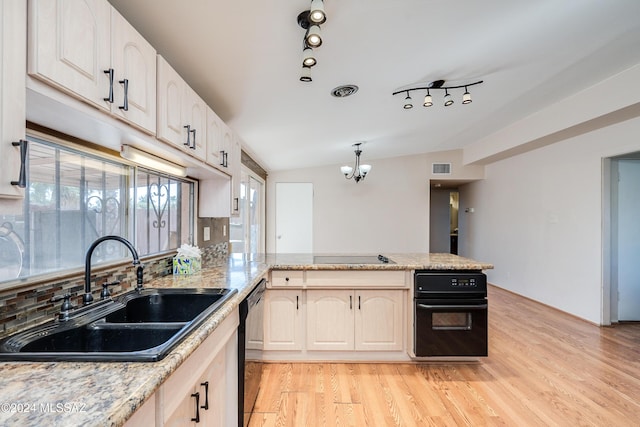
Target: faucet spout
(88, 298)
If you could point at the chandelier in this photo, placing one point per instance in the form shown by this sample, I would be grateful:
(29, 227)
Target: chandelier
(310, 21)
(358, 172)
(437, 85)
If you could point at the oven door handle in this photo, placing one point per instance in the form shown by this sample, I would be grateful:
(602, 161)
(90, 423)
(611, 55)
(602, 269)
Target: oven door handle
(453, 307)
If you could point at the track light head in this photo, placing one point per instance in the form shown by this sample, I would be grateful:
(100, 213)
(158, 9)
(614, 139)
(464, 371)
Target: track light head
(448, 100)
(428, 101)
(316, 13)
(313, 38)
(407, 102)
(306, 74)
(466, 96)
(308, 60)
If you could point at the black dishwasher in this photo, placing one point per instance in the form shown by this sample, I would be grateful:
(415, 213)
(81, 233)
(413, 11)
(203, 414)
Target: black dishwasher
(250, 351)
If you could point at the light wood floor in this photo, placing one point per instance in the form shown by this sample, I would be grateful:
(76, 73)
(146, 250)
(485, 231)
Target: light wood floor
(544, 368)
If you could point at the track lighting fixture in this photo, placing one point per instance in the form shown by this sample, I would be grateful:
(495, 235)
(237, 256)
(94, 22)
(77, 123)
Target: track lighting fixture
(310, 21)
(358, 172)
(437, 84)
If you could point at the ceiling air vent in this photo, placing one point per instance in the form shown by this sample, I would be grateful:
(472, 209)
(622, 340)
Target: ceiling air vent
(441, 168)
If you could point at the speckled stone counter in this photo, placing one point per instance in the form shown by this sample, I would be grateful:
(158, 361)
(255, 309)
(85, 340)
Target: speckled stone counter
(107, 393)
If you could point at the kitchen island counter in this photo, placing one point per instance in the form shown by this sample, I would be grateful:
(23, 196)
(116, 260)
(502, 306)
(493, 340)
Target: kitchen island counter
(108, 393)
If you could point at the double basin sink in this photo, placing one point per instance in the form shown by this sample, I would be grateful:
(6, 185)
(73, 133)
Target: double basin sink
(140, 325)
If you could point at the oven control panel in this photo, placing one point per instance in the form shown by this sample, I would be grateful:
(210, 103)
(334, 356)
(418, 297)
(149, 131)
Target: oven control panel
(429, 282)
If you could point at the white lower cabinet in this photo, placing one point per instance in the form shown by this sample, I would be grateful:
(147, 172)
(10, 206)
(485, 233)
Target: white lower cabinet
(361, 320)
(203, 390)
(283, 317)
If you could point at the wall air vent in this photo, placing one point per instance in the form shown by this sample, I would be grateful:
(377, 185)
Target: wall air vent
(441, 168)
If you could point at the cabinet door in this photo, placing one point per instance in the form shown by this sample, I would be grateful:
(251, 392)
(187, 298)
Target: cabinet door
(330, 320)
(69, 47)
(235, 168)
(214, 138)
(13, 23)
(379, 320)
(213, 388)
(184, 412)
(170, 101)
(134, 63)
(282, 320)
(195, 118)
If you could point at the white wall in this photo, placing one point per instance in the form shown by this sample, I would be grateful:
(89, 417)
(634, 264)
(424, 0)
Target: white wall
(538, 218)
(387, 212)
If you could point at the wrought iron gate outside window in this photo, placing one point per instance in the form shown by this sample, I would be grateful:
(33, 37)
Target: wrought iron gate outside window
(74, 197)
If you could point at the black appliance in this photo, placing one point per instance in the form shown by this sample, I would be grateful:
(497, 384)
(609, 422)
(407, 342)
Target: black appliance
(450, 313)
(250, 351)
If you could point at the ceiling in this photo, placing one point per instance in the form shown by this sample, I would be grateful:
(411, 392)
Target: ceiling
(244, 59)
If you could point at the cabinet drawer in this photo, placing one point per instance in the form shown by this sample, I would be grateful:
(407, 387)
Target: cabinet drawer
(287, 278)
(356, 279)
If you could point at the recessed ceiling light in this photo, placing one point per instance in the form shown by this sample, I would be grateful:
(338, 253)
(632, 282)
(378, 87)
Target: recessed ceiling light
(344, 91)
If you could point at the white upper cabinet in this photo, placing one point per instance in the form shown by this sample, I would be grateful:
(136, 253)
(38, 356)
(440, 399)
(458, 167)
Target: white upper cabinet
(133, 61)
(70, 47)
(87, 49)
(13, 22)
(182, 114)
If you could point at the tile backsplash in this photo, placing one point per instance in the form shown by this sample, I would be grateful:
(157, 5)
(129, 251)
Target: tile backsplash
(30, 305)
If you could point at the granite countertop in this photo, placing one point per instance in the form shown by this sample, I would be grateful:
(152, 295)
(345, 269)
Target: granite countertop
(107, 393)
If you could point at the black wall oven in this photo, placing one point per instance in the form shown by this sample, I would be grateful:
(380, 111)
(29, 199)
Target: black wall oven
(450, 313)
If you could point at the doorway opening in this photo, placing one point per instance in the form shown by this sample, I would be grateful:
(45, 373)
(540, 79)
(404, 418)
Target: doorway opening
(621, 292)
(443, 219)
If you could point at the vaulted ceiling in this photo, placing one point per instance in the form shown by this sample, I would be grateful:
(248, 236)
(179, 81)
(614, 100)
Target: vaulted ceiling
(244, 59)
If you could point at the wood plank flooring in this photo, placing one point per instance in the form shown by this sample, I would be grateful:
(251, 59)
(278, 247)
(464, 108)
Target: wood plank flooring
(545, 368)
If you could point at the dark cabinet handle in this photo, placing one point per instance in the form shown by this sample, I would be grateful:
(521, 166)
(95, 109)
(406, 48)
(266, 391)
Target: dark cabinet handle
(223, 159)
(206, 395)
(359, 303)
(193, 147)
(109, 99)
(188, 142)
(297, 305)
(22, 179)
(197, 417)
(125, 105)
(236, 206)
(350, 302)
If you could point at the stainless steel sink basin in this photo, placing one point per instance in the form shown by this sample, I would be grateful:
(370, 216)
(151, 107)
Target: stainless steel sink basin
(137, 326)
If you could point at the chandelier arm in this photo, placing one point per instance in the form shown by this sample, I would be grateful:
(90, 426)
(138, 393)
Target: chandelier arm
(433, 87)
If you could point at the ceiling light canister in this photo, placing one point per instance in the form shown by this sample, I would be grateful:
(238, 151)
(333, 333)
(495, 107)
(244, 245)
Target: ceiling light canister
(313, 38)
(306, 74)
(428, 101)
(448, 100)
(308, 60)
(466, 96)
(316, 13)
(407, 102)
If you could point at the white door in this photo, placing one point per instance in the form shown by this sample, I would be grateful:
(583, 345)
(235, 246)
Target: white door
(628, 247)
(294, 217)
